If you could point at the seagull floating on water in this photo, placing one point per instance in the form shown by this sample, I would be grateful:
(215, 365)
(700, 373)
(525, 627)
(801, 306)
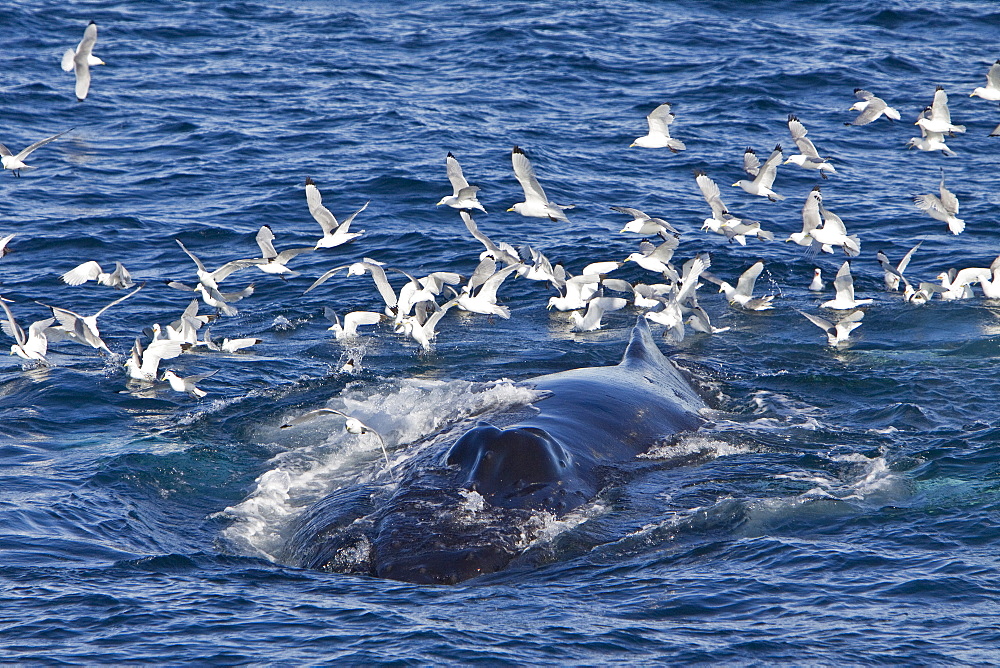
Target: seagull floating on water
(817, 284)
(35, 345)
(81, 59)
(742, 294)
(659, 121)
(187, 383)
(349, 328)
(844, 284)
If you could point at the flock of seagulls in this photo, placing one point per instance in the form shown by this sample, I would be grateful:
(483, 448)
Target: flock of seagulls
(415, 306)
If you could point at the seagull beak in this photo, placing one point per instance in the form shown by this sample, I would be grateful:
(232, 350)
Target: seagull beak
(631, 145)
(510, 209)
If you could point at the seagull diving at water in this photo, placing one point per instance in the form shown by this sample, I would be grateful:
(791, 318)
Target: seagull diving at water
(837, 334)
(943, 208)
(91, 271)
(15, 163)
(659, 121)
(893, 275)
(742, 294)
(35, 345)
(463, 195)
(349, 328)
(535, 204)
(80, 60)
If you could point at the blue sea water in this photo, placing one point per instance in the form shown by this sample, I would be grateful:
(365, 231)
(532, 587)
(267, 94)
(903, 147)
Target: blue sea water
(841, 507)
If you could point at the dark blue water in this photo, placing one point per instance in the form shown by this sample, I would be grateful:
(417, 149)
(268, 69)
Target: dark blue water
(842, 506)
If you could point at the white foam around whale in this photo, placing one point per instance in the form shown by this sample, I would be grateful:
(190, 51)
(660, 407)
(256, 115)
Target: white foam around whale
(318, 457)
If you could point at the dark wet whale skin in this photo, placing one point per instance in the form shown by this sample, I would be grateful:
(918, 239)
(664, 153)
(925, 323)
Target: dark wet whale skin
(554, 460)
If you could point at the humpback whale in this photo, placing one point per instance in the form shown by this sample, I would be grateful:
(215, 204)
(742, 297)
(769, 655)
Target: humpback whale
(468, 506)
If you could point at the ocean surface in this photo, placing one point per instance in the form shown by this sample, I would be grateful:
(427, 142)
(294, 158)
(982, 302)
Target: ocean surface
(841, 505)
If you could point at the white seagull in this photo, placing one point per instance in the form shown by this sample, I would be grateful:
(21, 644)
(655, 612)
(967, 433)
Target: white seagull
(929, 140)
(808, 157)
(763, 174)
(479, 295)
(893, 275)
(187, 383)
(811, 218)
(992, 89)
(837, 334)
(939, 119)
(4, 248)
(91, 271)
(535, 204)
(643, 223)
(35, 345)
(81, 59)
(654, 258)
(596, 308)
(143, 364)
(349, 328)
(834, 233)
(742, 294)
(351, 426)
(943, 208)
(871, 107)
(334, 233)
(15, 163)
(817, 284)
(658, 136)
(463, 195)
(275, 262)
(723, 222)
(844, 284)
(83, 329)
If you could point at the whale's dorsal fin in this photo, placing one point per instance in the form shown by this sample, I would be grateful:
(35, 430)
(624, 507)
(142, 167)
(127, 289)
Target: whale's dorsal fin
(642, 349)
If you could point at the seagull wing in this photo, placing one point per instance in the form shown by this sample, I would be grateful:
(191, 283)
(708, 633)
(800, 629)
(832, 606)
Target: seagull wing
(751, 165)
(635, 213)
(492, 284)
(939, 108)
(831, 221)
(26, 152)
(322, 279)
(993, 76)
(81, 61)
(905, 262)
(769, 170)
(844, 283)
(659, 119)
(455, 174)
(265, 239)
(525, 175)
(872, 110)
(710, 191)
(748, 278)
(88, 271)
(486, 268)
(822, 323)
(346, 225)
(948, 199)
(191, 255)
(804, 145)
(10, 326)
(119, 300)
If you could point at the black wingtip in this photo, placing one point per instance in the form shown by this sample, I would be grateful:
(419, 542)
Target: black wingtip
(518, 149)
(309, 181)
(450, 155)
